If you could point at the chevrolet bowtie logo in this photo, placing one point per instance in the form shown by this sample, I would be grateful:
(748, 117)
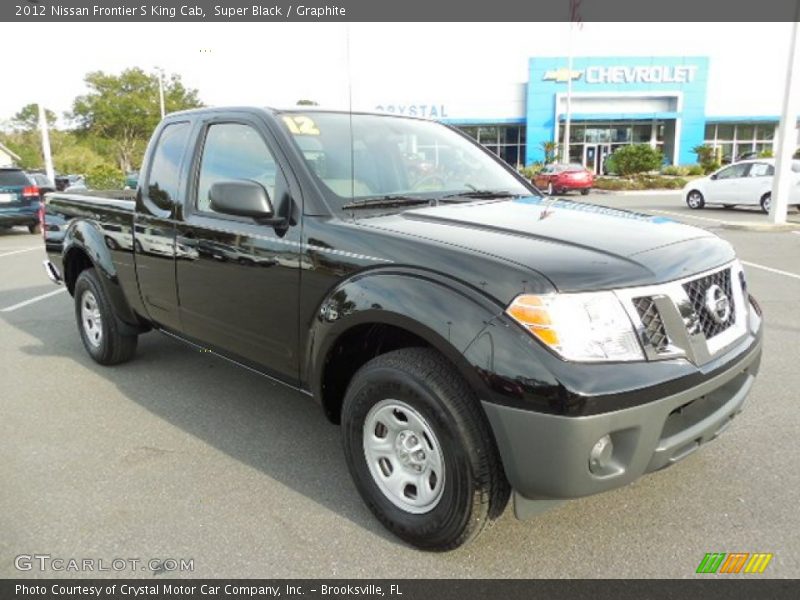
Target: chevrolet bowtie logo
(561, 75)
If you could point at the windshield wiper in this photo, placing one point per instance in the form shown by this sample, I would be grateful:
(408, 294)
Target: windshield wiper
(482, 194)
(386, 202)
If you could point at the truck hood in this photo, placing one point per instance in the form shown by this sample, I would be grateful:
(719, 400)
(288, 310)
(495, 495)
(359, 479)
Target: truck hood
(577, 246)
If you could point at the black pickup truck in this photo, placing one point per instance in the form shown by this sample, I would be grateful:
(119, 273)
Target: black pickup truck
(472, 338)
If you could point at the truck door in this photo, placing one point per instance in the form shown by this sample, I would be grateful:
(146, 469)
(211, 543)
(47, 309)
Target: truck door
(154, 227)
(238, 280)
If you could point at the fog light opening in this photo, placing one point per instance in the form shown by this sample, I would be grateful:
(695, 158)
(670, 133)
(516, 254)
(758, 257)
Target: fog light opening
(600, 456)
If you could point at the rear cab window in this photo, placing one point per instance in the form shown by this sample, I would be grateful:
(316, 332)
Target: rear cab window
(165, 167)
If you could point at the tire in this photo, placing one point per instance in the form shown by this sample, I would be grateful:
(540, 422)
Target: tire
(585, 191)
(444, 421)
(35, 228)
(766, 202)
(101, 337)
(695, 200)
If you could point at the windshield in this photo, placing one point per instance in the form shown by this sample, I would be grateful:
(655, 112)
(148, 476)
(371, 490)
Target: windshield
(394, 157)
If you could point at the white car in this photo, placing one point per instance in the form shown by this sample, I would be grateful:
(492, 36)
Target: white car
(746, 183)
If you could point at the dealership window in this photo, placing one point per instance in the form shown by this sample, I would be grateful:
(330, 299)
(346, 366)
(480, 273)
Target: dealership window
(732, 140)
(507, 141)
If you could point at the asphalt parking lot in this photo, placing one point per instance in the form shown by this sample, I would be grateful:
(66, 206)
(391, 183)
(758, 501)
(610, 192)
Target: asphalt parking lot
(180, 455)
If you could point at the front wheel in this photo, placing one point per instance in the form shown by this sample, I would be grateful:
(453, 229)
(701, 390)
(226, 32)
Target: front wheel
(585, 192)
(766, 202)
(420, 450)
(97, 323)
(695, 200)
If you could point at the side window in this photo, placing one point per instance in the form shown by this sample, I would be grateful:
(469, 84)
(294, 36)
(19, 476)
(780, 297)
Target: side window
(761, 170)
(234, 151)
(162, 183)
(737, 170)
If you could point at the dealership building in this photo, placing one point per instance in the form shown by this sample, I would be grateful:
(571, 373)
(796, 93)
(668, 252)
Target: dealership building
(614, 101)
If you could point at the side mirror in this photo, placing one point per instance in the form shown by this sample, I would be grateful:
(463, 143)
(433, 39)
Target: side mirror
(712, 176)
(241, 198)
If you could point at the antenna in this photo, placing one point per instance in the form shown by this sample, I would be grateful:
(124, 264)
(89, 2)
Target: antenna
(350, 115)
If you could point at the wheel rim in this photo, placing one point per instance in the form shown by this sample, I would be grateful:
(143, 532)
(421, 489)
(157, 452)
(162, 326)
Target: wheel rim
(767, 202)
(404, 456)
(90, 318)
(694, 199)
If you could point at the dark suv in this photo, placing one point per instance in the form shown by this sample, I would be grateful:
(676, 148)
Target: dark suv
(19, 200)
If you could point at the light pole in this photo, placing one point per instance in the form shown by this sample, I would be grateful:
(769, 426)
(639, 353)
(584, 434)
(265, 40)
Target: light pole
(160, 72)
(48, 157)
(787, 136)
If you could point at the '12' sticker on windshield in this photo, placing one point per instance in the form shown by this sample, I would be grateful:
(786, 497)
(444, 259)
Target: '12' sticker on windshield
(301, 125)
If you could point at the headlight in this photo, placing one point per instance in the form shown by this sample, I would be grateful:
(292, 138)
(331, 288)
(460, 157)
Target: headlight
(579, 327)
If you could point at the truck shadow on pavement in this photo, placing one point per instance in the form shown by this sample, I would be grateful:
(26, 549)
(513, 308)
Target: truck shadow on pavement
(269, 427)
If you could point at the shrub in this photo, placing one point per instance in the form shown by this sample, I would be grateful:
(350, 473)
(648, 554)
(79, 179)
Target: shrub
(766, 153)
(105, 177)
(707, 157)
(695, 170)
(679, 170)
(636, 158)
(530, 171)
(644, 182)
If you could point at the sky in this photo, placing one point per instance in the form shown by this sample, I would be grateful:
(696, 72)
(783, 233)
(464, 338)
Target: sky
(276, 64)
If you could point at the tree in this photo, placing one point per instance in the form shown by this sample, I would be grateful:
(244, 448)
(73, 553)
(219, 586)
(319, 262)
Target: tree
(27, 119)
(550, 150)
(124, 109)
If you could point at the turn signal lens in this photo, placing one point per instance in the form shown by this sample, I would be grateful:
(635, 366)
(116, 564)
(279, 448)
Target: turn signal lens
(579, 327)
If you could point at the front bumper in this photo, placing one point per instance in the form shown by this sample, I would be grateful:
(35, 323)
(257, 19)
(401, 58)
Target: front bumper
(547, 457)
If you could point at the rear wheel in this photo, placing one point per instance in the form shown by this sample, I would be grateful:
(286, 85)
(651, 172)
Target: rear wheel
(695, 200)
(585, 192)
(97, 323)
(766, 202)
(420, 450)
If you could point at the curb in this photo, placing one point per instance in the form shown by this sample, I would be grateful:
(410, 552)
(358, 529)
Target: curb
(756, 226)
(637, 192)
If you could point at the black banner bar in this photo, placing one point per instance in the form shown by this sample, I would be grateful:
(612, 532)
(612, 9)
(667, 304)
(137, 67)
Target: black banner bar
(712, 588)
(396, 10)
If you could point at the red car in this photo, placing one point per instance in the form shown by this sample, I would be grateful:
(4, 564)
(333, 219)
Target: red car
(560, 178)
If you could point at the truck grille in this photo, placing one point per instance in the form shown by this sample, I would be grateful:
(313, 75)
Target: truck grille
(654, 331)
(696, 291)
(672, 320)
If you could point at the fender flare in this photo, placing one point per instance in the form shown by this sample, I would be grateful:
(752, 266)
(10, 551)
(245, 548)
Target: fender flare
(83, 236)
(445, 313)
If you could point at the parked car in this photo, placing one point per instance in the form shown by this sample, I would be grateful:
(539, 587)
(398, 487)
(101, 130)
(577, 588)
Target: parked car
(473, 339)
(560, 178)
(41, 181)
(745, 183)
(64, 182)
(131, 180)
(19, 200)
